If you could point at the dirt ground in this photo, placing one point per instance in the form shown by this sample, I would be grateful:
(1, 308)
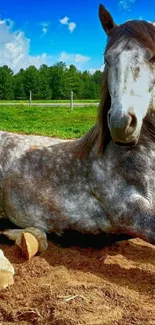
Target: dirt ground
(81, 280)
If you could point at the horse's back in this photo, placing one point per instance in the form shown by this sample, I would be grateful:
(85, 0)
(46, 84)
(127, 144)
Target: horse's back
(25, 174)
(27, 139)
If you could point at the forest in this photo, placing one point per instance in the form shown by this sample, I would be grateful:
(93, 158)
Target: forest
(49, 82)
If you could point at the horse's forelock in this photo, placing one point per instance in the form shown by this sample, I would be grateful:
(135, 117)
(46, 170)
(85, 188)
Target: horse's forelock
(142, 31)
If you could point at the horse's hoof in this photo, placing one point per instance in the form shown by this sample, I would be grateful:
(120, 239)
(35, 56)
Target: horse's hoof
(31, 240)
(29, 245)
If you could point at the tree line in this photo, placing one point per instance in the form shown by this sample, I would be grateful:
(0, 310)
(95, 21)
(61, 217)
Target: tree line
(54, 82)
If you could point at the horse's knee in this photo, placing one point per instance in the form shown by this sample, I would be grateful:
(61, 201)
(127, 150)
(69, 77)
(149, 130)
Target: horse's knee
(17, 236)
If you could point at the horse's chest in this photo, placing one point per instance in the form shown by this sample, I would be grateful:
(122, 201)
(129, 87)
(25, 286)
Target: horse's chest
(123, 176)
(137, 170)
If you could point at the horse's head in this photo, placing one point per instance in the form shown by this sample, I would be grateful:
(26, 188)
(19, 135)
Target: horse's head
(130, 63)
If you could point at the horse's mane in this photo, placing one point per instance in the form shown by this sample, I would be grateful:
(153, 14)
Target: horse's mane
(147, 136)
(142, 31)
(99, 134)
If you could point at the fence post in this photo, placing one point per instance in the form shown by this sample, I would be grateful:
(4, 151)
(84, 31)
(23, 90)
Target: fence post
(30, 100)
(71, 103)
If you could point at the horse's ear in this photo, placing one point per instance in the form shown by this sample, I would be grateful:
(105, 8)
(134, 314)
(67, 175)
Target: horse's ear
(106, 19)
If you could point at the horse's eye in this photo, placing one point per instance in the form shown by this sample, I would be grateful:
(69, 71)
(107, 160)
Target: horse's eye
(106, 62)
(152, 59)
(129, 47)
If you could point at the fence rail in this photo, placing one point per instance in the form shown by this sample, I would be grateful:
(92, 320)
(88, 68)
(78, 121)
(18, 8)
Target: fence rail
(49, 104)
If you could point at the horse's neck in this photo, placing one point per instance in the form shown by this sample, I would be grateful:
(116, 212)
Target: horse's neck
(118, 158)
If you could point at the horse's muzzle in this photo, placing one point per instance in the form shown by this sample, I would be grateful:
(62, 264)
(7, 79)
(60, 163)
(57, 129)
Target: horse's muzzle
(123, 127)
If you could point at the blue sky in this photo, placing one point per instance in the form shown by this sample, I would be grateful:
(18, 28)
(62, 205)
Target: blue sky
(47, 31)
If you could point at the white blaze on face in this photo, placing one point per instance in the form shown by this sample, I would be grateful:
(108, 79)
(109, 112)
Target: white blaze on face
(130, 80)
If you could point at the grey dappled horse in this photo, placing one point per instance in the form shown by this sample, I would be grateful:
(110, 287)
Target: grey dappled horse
(105, 181)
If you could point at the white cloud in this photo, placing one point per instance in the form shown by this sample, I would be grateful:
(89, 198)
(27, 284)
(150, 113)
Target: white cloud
(101, 68)
(65, 21)
(44, 30)
(64, 56)
(92, 71)
(71, 58)
(8, 22)
(15, 51)
(71, 26)
(126, 4)
(15, 47)
(45, 26)
(81, 58)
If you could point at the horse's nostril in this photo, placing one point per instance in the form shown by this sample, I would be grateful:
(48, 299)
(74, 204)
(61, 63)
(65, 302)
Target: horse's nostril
(133, 122)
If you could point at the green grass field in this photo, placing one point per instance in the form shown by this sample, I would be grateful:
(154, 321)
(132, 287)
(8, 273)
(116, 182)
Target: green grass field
(51, 121)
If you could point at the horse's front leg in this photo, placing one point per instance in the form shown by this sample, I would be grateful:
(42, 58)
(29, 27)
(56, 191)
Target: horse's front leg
(19, 236)
(138, 221)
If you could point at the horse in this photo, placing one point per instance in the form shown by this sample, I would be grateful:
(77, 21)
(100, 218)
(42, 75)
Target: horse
(103, 182)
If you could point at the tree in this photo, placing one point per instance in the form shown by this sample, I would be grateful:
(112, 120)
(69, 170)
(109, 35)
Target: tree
(19, 87)
(76, 84)
(6, 83)
(55, 82)
(32, 82)
(59, 81)
(45, 91)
